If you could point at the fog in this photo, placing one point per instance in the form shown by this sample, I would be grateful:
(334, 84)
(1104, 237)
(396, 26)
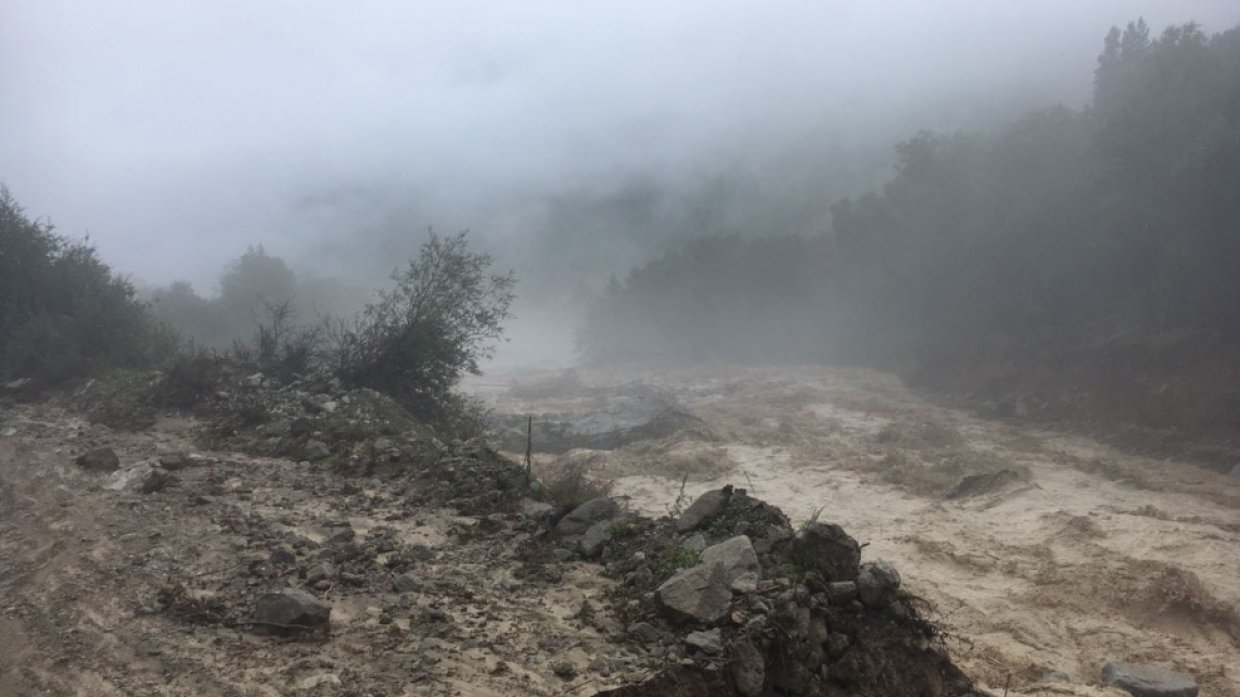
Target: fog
(573, 140)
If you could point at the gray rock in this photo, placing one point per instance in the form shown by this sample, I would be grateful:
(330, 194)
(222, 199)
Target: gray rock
(158, 480)
(255, 380)
(320, 572)
(18, 384)
(1056, 676)
(536, 510)
(595, 537)
(827, 549)
(736, 556)
(291, 608)
(704, 509)
(878, 584)
(564, 669)
(644, 632)
(1235, 472)
(709, 642)
(837, 644)
(99, 460)
(316, 450)
(748, 668)
(700, 594)
(841, 592)
(562, 554)
(1148, 680)
(174, 461)
(587, 514)
(406, 583)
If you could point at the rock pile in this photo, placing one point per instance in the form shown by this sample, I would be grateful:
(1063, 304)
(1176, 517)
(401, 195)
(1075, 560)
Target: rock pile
(765, 609)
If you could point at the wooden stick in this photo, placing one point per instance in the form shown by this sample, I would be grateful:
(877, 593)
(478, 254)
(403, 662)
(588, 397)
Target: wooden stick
(529, 448)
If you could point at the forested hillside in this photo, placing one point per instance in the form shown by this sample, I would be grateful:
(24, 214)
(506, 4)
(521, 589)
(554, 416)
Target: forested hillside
(1077, 260)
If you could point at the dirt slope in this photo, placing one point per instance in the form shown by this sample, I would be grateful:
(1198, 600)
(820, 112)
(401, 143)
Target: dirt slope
(86, 561)
(1042, 552)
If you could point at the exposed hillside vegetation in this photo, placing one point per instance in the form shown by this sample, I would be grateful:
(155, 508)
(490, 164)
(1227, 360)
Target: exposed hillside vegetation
(1082, 256)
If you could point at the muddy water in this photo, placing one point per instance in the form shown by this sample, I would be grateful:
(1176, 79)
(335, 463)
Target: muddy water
(1039, 551)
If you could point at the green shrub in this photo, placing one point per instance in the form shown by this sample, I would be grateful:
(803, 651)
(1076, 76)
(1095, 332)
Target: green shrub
(442, 318)
(63, 312)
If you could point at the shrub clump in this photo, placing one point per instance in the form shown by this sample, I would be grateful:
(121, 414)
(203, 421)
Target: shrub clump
(63, 312)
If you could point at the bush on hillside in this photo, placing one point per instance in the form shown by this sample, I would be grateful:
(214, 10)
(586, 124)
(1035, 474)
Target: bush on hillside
(63, 312)
(416, 342)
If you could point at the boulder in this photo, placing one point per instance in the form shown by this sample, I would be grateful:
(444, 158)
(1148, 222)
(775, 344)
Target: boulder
(174, 461)
(157, 480)
(290, 608)
(1148, 680)
(736, 556)
(699, 594)
(587, 514)
(316, 450)
(406, 583)
(748, 668)
(595, 537)
(99, 460)
(704, 509)
(878, 584)
(644, 632)
(827, 549)
(709, 642)
(703, 593)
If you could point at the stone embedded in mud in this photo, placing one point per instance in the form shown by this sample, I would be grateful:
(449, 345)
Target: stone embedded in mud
(158, 480)
(699, 594)
(406, 583)
(587, 514)
(316, 450)
(1148, 681)
(290, 608)
(748, 668)
(99, 460)
(704, 509)
(644, 632)
(709, 642)
(878, 584)
(174, 461)
(827, 549)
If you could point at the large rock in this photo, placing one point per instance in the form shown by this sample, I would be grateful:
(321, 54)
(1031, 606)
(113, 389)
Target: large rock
(878, 584)
(1148, 681)
(827, 549)
(736, 556)
(587, 514)
(99, 460)
(701, 593)
(595, 537)
(158, 480)
(748, 668)
(704, 509)
(709, 642)
(291, 608)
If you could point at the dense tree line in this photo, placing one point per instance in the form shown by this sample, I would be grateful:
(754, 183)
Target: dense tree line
(63, 312)
(1096, 246)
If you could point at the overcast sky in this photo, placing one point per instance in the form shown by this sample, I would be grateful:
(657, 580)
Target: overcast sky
(176, 133)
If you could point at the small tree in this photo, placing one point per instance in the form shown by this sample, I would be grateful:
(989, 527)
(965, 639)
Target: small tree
(442, 318)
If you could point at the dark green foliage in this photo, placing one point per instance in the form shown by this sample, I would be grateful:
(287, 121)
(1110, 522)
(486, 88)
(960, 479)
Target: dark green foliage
(63, 312)
(442, 318)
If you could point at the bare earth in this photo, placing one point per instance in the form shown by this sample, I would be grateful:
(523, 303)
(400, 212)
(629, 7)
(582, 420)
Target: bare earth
(1064, 553)
(83, 557)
